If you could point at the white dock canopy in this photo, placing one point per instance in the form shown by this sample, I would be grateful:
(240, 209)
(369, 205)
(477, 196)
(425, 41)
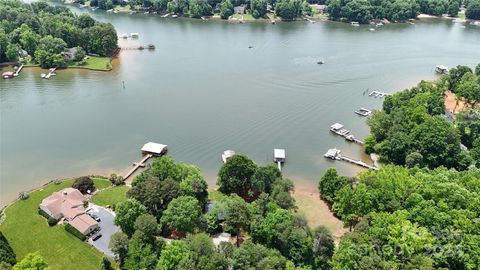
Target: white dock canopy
(337, 126)
(279, 154)
(154, 148)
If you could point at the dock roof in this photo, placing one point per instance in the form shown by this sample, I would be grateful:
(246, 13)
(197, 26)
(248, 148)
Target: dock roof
(155, 148)
(279, 153)
(337, 126)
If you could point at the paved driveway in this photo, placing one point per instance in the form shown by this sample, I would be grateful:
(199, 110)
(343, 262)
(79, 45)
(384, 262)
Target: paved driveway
(107, 228)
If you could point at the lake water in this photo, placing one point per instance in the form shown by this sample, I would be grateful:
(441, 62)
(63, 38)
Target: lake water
(203, 91)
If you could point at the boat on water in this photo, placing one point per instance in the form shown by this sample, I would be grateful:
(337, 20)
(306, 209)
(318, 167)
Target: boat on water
(43, 75)
(7, 74)
(363, 112)
(134, 35)
(354, 23)
(337, 128)
(124, 35)
(441, 69)
(174, 16)
(372, 29)
(321, 62)
(151, 47)
(227, 154)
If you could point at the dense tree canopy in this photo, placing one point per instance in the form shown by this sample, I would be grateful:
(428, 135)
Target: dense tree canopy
(6, 252)
(46, 31)
(410, 217)
(84, 184)
(127, 213)
(31, 261)
(182, 215)
(410, 128)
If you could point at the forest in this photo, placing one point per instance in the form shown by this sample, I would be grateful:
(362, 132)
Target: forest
(51, 36)
(363, 11)
(413, 128)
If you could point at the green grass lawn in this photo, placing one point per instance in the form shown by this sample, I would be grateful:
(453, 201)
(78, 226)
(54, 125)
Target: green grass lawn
(27, 232)
(110, 196)
(95, 63)
(249, 17)
(101, 183)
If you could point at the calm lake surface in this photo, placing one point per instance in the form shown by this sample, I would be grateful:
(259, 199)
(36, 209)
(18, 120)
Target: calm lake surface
(203, 91)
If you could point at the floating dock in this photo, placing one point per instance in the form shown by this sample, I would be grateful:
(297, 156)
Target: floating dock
(51, 72)
(334, 154)
(378, 94)
(338, 129)
(279, 157)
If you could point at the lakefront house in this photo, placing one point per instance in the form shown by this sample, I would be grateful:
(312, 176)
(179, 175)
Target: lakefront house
(68, 203)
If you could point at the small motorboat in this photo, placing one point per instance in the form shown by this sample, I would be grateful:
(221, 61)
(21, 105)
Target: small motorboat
(43, 75)
(321, 62)
(250, 46)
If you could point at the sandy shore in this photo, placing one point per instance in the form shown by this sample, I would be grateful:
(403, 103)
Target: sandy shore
(316, 211)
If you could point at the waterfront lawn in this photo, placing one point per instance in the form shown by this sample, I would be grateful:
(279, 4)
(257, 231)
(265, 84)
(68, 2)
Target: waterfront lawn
(27, 232)
(110, 196)
(101, 182)
(95, 63)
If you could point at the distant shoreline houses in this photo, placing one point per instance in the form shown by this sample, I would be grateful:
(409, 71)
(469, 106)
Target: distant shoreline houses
(68, 203)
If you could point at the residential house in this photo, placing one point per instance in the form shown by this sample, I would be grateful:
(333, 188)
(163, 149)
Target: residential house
(68, 203)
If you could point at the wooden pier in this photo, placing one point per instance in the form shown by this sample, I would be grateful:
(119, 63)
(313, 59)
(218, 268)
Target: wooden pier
(17, 72)
(137, 165)
(335, 155)
(338, 129)
(358, 162)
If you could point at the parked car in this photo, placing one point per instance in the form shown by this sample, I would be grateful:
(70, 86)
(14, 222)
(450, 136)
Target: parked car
(95, 237)
(95, 217)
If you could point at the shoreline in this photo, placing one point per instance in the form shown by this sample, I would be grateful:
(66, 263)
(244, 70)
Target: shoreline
(271, 17)
(110, 68)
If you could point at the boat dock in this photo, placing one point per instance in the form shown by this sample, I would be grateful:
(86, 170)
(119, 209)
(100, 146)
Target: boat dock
(149, 150)
(279, 157)
(379, 94)
(17, 72)
(137, 165)
(335, 155)
(51, 72)
(140, 47)
(338, 129)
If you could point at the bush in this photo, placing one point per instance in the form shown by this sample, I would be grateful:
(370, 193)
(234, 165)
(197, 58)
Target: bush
(6, 252)
(51, 221)
(69, 228)
(57, 181)
(23, 195)
(84, 184)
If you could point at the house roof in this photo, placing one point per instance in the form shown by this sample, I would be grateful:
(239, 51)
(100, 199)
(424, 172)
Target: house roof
(155, 148)
(67, 202)
(83, 222)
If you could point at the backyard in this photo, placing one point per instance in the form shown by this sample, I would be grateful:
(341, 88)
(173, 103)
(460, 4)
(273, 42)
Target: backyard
(110, 196)
(28, 232)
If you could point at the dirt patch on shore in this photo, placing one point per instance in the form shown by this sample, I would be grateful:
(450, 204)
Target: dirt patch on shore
(451, 105)
(316, 211)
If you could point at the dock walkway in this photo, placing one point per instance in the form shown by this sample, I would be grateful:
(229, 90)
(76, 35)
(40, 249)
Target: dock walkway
(335, 155)
(137, 165)
(358, 162)
(17, 72)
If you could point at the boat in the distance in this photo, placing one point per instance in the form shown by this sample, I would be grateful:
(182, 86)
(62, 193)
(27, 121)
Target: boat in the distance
(363, 112)
(441, 69)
